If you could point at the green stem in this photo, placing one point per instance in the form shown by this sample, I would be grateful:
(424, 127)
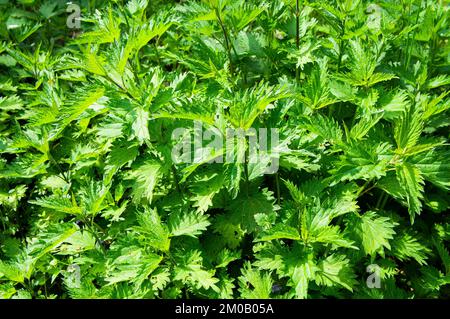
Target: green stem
(384, 202)
(138, 63)
(90, 227)
(52, 160)
(362, 188)
(124, 14)
(297, 36)
(45, 286)
(380, 199)
(171, 259)
(341, 50)
(246, 173)
(29, 287)
(227, 40)
(158, 58)
(341, 44)
(122, 88)
(410, 40)
(277, 183)
(432, 55)
(176, 180)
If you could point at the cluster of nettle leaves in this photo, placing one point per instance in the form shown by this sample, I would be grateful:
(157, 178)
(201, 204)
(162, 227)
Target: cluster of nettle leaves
(93, 206)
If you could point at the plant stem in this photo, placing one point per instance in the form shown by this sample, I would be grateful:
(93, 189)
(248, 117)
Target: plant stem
(341, 49)
(246, 173)
(45, 286)
(52, 160)
(90, 227)
(361, 189)
(158, 58)
(175, 177)
(277, 183)
(297, 36)
(380, 199)
(227, 41)
(384, 202)
(341, 44)
(122, 9)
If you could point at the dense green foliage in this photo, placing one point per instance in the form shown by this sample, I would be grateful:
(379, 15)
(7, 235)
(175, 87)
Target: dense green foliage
(92, 205)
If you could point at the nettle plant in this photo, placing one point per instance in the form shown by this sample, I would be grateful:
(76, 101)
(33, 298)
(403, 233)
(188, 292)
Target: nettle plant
(353, 97)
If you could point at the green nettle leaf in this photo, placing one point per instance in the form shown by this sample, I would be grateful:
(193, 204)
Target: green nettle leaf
(155, 233)
(189, 269)
(405, 247)
(10, 103)
(108, 31)
(434, 166)
(408, 129)
(249, 104)
(78, 242)
(411, 181)
(145, 177)
(205, 189)
(118, 157)
(279, 232)
(300, 280)
(82, 100)
(254, 284)
(438, 81)
(331, 235)
(362, 161)
(26, 166)
(243, 209)
(12, 271)
(132, 265)
(140, 125)
(362, 65)
(335, 269)
(59, 203)
(189, 224)
(394, 105)
(232, 233)
(317, 93)
(374, 232)
(139, 38)
(325, 127)
(299, 270)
